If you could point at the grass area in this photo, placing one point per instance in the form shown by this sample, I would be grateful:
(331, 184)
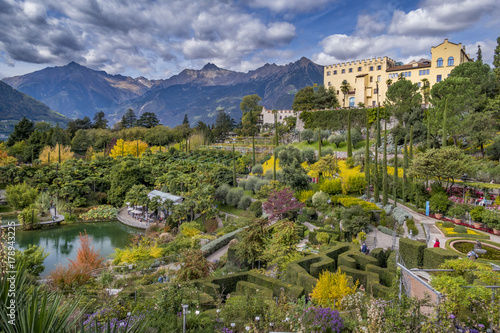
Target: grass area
(472, 234)
(462, 255)
(233, 210)
(6, 209)
(342, 147)
(465, 247)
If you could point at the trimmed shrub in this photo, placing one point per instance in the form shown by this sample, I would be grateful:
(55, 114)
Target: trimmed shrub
(256, 208)
(310, 213)
(448, 224)
(234, 195)
(214, 245)
(222, 191)
(331, 186)
(309, 155)
(354, 183)
(245, 202)
(385, 230)
(477, 213)
(412, 252)
(323, 237)
(258, 170)
(242, 183)
(302, 218)
(410, 224)
(259, 185)
(460, 229)
(319, 199)
(434, 256)
(401, 215)
(439, 203)
(250, 184)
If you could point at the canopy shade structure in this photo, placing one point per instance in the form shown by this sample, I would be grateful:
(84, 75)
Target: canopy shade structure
(165, 196)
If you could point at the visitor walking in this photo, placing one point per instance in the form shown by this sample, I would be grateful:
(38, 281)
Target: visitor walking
(436, 243)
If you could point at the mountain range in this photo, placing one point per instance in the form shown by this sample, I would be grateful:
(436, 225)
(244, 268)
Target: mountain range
(77, 91)
(14, 105)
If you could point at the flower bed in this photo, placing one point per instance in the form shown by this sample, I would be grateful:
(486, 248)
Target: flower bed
(100, 213)
(448, 232)
(464, 247)
(445, 219)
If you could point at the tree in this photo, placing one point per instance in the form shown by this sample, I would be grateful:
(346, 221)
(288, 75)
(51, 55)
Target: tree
(445, 164)
(294, 174)
(401, 98)
(280, 203)
(496, 60)
(355, 219)
(349, 140)
(479, 53)
(304, 99)
(185, 121)
(307, 134)
(22, 131)
(194, 266)
(123, 148)
(20, 196)
(312, 98)
(253, 240)
(282, 247)
(32, 259)
(426, 89)
(327, 165)
(148, 120)
(57, 154)
(345, 87)
(100, 120)
(129, 119)
(331, 289)
(224, 124)
(76, 125)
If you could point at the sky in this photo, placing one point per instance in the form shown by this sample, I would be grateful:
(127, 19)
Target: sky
(159, 38)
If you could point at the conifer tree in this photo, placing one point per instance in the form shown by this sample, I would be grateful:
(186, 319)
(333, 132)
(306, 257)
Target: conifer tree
(395, 185)
(411, 143)
(405, 167)
(445, 135)
(349, 140)
(234, 169)
(319, 143)
(367, 157)
(384, 166)
(375, 169)
(428, 129)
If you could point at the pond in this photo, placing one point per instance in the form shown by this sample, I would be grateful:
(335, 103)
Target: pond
(465, 247)
(62, 242)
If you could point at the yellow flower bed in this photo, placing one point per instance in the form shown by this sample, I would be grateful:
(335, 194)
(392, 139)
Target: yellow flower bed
(451, 232)
(269, 165)
(390, 171)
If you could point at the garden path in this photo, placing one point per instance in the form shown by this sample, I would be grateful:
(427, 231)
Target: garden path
(217, 254)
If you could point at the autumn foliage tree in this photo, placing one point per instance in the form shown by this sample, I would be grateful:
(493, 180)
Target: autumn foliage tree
(51, 154)
(332, 288)
(194, 266)
(124, 148)
(78, 271)
(280, 203)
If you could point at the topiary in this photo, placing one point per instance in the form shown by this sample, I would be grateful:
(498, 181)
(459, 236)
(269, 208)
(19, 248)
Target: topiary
(310, 213)
(256, 208)
(448, 225)
(460, 229)
(244, 202)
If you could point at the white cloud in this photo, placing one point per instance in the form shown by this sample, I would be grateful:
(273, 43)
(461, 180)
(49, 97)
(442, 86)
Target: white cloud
(290, 5)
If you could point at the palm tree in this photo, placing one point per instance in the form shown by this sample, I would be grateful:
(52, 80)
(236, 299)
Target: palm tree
(345, 87)
(426, 90)
(388, 82)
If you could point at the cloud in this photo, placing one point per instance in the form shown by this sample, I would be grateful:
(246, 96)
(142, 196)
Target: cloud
(441, 17)
(290, 5)
(142, 34)
(408, 35)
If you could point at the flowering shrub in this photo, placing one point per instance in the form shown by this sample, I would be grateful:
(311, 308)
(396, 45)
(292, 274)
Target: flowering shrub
(98, 322)
(322, 320)
(100, 213)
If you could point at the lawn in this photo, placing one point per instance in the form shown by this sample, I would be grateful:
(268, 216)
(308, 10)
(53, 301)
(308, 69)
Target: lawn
(233, 210)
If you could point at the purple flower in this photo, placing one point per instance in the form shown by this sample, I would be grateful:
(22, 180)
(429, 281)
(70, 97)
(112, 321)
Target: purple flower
(452, 316)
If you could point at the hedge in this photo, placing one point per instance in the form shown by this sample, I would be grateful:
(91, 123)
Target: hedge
(244, 287)
(479, 235)
(386, 276)
(218, 243)
(385, 230)
(350, 201)
(412, 252)
(462, 255)
(433, 257)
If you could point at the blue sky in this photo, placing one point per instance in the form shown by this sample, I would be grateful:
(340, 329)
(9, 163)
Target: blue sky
(157, 38)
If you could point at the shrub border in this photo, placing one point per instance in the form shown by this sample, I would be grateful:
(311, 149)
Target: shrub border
(445, 234)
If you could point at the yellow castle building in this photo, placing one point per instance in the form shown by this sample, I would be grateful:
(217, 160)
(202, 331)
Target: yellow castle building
(363, 75)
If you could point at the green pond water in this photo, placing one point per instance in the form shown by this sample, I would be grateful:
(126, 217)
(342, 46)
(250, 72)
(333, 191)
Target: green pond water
(62, 242)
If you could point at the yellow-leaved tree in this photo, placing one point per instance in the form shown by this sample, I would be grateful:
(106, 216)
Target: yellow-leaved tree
(5, 159)
(331, 289)
(123, 148)
(56, 154)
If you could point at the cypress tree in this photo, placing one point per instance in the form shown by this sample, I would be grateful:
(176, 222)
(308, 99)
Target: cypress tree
(274, 167)
(405, 166)
(445, 136)
(349, 140)
(137, 149)
(375, 169)
(428, 129)
(411, 143)
(319, 144)
(234, 169)
(59, 148)
(367, 157)
(395, 185)
(276, 128)
(384, 166)
(48, 157)
(253, 149)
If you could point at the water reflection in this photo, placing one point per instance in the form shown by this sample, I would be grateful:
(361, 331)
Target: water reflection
(62, 242)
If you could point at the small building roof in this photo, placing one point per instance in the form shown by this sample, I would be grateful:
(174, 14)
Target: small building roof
(165, 196)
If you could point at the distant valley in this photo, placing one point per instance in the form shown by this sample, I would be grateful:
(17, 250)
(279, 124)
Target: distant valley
(76, 91)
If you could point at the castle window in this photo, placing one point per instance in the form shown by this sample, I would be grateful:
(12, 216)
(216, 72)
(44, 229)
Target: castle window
(359, 69)
(329, 83)
(419, 84)
(371, 68)
(343, 71)
(379, 67)
(451, 61)
(408, 74)
(379, 78)
(438, 78)
(334, 72)
(327, 73)
(439, 62)
(350, 70)
(371, 78)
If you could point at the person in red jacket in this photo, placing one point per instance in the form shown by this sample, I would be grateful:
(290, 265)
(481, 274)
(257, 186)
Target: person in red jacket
(436, 243)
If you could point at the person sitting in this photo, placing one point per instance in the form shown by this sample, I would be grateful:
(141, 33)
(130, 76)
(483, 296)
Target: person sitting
(160, 279)
(472, 255)
(364, 248)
